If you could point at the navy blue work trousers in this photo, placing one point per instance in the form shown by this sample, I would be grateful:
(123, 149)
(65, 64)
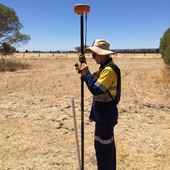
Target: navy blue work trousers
(105, 146)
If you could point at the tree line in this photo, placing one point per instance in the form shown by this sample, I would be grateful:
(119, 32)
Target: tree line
(10, 37)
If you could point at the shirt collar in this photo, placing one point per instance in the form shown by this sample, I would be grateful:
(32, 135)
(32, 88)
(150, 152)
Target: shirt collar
(106, 62)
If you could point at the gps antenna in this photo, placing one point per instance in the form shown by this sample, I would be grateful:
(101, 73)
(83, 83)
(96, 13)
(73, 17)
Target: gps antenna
(81, 9)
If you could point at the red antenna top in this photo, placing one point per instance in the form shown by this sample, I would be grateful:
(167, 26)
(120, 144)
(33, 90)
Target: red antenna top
(81, 9)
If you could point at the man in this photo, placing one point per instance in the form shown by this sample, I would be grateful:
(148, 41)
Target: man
(103, 85)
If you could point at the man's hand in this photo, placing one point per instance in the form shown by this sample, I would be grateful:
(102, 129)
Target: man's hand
(82, 58)
(85, 69)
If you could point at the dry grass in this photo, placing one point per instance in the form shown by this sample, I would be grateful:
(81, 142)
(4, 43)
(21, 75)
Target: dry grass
(166, 76)
(37, 130)
(12, 65)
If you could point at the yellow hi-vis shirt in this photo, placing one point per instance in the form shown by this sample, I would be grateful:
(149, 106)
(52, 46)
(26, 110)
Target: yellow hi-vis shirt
(106, 79)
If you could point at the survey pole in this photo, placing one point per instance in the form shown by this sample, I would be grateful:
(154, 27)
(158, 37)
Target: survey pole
(81, 9)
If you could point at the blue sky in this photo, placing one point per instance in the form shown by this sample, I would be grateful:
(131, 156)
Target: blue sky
(53, 25)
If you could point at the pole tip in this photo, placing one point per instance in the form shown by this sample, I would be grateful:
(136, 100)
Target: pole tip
(81, 9)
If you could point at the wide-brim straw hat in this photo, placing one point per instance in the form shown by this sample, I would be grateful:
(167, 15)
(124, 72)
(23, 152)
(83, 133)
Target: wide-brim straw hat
(101, 47)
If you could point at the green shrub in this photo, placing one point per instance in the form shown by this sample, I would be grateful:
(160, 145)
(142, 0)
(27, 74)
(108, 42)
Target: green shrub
(164, 47)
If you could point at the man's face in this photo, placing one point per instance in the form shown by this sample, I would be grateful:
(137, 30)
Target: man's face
(97, 58)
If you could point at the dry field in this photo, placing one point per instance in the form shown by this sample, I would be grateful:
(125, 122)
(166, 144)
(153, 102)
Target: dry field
(36, 120)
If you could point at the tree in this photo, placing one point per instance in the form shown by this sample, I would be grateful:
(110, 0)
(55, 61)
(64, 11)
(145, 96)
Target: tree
(7, 49)
(10, 28)
(78, 48)
(164, 47)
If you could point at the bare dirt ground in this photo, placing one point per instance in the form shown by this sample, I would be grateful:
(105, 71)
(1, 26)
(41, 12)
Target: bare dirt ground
(36, 120)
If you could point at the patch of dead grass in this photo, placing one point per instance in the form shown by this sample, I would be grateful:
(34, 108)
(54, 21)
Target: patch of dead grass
(13, 65)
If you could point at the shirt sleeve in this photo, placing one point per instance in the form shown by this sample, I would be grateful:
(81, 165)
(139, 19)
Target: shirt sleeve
(100, 85)
(90, 82)
(106, 79)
